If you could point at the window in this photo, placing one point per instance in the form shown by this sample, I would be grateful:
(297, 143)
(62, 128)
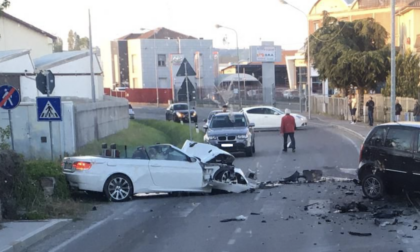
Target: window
(139, 153)
(134, 63)
(227, 121)
(255, 111)
(161, 60)
(418, 143)
(316, 26)
(399, 139)
(377, 138)
(268, 111)
(166, 152)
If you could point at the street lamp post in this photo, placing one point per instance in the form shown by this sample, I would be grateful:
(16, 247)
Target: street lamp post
(392, 117)
(237, 65)
(308, 74)
(155, 56)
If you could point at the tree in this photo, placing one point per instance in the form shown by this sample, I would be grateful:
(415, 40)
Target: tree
(58, 45)
(407, 76)
(84, 43)
(70, 40)
(4, 5)
(76, 42)
(351, 54)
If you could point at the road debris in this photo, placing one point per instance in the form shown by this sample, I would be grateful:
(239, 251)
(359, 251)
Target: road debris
(385, 223)
(309, 176)
(255, 213)
(313, 204)
(237, 218)
(359, 234)
(94, 208)
(414, 227)
(351, 207)
(388, 214)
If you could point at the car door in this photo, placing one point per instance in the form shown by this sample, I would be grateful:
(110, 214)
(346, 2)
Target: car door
(136, 168)
(415, 163)
(172, 169)
(272, 118)
(399, 151)
(256, 116)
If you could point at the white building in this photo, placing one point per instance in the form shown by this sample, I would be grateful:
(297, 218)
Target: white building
(16, 34)
(143, 61)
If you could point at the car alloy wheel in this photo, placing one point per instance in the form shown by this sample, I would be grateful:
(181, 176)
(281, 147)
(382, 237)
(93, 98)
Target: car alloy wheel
(118, 188)
(373, 187)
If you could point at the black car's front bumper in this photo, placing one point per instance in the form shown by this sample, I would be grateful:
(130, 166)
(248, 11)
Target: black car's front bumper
(185, 119)
(231, 146)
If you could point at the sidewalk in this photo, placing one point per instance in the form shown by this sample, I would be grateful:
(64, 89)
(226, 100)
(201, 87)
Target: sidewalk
(360, 129)
(20, 235)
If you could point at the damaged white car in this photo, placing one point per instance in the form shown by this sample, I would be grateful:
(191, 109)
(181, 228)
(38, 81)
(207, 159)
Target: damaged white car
(155, 169)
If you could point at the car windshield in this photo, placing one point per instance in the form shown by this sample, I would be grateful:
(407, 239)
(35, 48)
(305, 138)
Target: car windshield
(228, 121)
(181, 107)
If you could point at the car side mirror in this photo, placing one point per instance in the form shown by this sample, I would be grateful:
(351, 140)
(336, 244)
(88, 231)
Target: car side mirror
(193, 160)
(276, 113)
(193, 107)
(205, 120)
(251, 125)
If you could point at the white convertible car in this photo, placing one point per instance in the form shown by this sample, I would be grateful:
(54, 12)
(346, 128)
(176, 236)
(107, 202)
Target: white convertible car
(266, 117)
(196, 167)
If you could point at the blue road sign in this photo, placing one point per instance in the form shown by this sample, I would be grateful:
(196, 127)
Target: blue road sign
(49, 108)
(9, 97)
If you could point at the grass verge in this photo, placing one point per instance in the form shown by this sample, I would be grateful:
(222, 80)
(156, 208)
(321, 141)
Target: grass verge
(144, 133)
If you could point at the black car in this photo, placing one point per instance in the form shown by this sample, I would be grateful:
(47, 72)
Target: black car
(231, 132)
(178, 112)
(390, 159)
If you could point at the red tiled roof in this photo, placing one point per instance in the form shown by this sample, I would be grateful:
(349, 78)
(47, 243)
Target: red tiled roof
(27, 25)
(159, 33)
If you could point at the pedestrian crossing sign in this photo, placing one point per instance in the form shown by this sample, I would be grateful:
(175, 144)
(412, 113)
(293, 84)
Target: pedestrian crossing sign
(49, 108)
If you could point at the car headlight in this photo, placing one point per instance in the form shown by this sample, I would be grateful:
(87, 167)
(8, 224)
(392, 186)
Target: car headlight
(178, 114)
(212, 137)
(242, 136)
(194, 114)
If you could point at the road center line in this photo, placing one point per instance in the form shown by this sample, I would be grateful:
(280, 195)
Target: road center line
(231, 241)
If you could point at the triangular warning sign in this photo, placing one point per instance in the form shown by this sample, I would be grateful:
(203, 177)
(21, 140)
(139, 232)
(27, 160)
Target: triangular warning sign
(190, 70)
(49, 112)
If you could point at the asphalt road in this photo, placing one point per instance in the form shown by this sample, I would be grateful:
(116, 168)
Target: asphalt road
(192, 223)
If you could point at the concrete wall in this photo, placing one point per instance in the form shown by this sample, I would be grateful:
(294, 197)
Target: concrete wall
(112, 117)
(28, 131)
(16, 37)
(65, 86)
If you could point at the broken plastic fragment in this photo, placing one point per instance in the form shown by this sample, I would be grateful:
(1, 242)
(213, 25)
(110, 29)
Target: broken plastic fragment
(359, 234)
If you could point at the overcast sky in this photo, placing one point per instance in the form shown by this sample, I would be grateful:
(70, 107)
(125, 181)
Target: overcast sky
(254, 20)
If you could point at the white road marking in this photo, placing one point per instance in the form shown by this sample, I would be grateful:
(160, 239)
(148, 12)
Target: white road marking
(184, 211)
(353, 143)
(258, 195)
(231, 241)
(238, 230)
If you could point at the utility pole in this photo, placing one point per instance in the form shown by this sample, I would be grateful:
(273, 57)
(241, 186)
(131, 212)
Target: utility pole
(393, 96)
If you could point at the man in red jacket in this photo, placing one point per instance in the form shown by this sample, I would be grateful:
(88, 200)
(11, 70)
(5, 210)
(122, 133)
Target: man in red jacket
(287, 128)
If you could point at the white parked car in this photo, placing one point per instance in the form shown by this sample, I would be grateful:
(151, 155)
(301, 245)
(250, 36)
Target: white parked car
(196, 167)
(266, 117)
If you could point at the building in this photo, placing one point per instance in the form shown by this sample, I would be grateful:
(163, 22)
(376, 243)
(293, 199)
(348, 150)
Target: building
(407, 22)
(407, 25)
(146, 60)
(16, 34)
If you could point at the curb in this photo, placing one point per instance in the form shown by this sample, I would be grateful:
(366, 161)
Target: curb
(343, 128)
(28, 240)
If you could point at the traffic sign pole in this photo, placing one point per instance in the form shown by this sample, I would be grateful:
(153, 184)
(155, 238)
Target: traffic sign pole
(11, 129)
(188, 101)
(50, 123)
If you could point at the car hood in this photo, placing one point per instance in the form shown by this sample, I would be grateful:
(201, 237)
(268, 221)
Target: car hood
(229, 131)
(207, 153)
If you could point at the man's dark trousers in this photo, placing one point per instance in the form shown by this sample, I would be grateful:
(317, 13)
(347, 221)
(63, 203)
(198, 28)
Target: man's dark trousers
(370, 114)
(292, 137)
